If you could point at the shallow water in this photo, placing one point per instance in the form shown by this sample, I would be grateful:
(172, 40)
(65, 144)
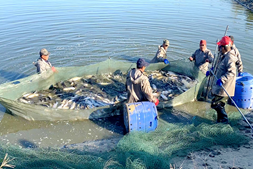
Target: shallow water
(85, 32)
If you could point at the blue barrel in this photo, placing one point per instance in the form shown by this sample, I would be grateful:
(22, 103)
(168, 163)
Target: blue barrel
(140, 116)
(244, 91)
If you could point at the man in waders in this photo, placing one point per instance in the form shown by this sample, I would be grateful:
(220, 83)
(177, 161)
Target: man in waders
(238, 63)
(202, 57)
(138, 86)
(161, 53)
(226, 75)
(42, 63)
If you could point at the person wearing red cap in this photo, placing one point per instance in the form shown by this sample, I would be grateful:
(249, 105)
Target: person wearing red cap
(238, 63)
(226, 75)
(161, 53)
(202, 57)
(138, 86)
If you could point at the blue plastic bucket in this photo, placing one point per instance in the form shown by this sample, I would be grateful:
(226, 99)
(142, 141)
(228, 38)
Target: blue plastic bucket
(140, 116)
(244, 91)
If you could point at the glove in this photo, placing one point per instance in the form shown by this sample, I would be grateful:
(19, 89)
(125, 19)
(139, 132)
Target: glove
(156, 102)
(209, 72)
(219, 82)
(53, 69)
(166, 61)
(240, 74)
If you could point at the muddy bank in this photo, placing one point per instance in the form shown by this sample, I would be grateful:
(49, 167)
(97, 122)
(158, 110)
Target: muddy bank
(246, 3)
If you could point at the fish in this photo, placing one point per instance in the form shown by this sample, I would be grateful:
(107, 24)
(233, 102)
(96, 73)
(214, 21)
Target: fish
(32, 95)
(55, 105)
(180, 89)
(171, 73)
(166, 92)
(85, 84)
(24, 101)
(104, 84)
(122, 97)
(75, 79)
(68, 88)
(89, 76)
(92, 91)
(73, 106)
(116, 99)
(164, 97)
(170, 95)
(154, 87)
(63, 103)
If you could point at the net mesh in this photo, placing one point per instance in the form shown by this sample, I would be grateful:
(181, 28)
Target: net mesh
(136, 150)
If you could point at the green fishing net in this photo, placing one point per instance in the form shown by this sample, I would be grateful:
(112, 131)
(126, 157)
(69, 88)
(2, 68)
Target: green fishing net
(135, 150)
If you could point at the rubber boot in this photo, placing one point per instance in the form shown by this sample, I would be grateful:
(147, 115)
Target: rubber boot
(222, 116)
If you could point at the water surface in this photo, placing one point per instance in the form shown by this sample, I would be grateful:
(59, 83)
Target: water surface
(85, 32)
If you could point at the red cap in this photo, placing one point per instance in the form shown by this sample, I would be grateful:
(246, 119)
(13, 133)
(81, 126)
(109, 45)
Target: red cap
(202, 42)
(225, 41)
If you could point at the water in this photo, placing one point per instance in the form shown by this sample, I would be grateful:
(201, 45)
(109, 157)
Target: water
(85, 32)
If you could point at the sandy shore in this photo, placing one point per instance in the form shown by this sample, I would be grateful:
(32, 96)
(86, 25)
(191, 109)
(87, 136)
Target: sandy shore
(246, 3)
(232, 157)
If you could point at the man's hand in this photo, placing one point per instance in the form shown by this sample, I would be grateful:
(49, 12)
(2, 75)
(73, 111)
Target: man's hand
(190, 58)
(53, 69)
(166, 61)
(209, 72)
(219, 82)
(240, 74)
(156, 102)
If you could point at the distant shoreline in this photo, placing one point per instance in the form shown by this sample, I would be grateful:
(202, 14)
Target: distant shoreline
(246, 3)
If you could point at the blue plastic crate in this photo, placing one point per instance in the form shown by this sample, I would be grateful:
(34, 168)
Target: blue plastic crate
(140, 116)
(244, 91)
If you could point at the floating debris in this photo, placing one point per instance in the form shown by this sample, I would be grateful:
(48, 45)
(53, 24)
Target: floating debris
(106, 89)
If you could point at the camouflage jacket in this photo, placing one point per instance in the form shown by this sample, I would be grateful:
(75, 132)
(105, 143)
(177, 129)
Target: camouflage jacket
(238, 62)
(226, 71)
(200, 59)
(160, 55)
(138, 87)
(42, 65)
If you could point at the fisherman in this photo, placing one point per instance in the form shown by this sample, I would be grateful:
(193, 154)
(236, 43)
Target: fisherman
(138, 86)
(161, 53)
(226, 75)
(42, 63)
(202, 57)
(238, 63)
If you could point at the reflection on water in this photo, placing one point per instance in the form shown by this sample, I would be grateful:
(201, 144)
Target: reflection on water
(249, 19)
(240, 12)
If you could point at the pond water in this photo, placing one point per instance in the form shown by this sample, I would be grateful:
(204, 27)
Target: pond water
(85, 32)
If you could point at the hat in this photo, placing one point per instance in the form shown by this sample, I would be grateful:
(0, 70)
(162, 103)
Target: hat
(44, 52)
(202, 42)
(166, 42)
(232, 38)
(141, 62)
(225, 41)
